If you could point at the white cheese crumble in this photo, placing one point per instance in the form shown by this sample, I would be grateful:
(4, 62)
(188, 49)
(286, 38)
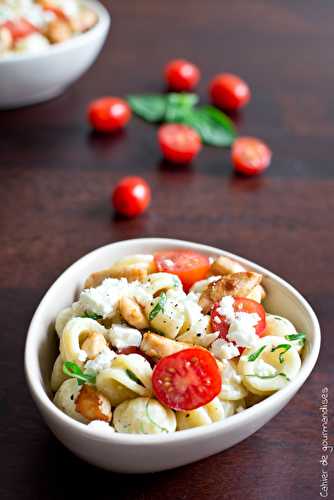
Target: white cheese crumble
(242, 330)
(224, 350)
(104, 299)
(100, 425)
(264, 369)
(82, 355)
(122, 336)
(226, 309)
(101, 362)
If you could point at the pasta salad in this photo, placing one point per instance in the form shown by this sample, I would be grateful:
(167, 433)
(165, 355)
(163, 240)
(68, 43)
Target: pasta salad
(30, 26)
(166, 342)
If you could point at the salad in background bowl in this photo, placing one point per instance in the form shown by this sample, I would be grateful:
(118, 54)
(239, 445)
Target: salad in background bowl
(45, 45)
(115, 375)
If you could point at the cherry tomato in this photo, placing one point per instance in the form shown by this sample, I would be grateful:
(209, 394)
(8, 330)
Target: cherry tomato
(230, 92)
(179, 143)
(182, 75)
(187, 379)
(131, 196)
(189, 266)
(20, 28)
(109, 114)
(250, 156)
(241, 304)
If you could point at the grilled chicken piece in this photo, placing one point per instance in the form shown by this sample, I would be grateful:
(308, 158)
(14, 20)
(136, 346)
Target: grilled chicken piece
(236, 284)
(130, 273)
(158, 347)
(93, 405)
(224, 265)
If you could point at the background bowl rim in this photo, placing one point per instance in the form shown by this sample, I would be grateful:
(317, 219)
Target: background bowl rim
(199, 433)
(78, 41)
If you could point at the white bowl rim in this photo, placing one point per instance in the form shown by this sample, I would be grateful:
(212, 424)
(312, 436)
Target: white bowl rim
(280, 397)
(77, 41)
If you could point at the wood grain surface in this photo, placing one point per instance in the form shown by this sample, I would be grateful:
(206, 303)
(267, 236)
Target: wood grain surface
(55, 180)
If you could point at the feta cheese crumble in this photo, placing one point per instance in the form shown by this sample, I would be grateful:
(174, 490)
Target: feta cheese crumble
(242, 330)
(224, 350)
(100, 426)
(122, 336)
(101, 362)
(226, 309)
(103, 300)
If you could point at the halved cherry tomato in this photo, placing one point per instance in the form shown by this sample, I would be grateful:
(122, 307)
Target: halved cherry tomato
(187, 379)
(189, 266)
(241, 304)
(230, 92)
(250, 156)
(109, 114)
(179, 143)
(181, 75)
(131, 196)
(20, 28)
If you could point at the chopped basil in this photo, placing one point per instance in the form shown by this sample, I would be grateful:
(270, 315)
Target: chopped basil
(296, 336)
(163, 429)
(159, 306)
(133, 377)
(270, 376)
(255, 355)
(91, 315)
(285, 348)
(74, 371)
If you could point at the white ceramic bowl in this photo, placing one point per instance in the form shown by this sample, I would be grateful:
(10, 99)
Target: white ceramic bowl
(31, 78)
(149, 453)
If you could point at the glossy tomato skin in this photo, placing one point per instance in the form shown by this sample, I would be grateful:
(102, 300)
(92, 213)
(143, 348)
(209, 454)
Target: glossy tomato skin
(189, 266)
(179, 143)
(228, 91)
(250, 156)
(176, 379)
(182, 75)
(109, 114)
(131, 196)
(241, 304)
(20, 28)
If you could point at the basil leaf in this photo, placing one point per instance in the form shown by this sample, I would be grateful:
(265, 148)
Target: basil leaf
(91, 315)
(296, 336)
(285, 348)
(159, 306)
(255, 355)
(150, 107)
(269, 376)
(214, 127)
(133, 377)
(178, 105)
(73, 370)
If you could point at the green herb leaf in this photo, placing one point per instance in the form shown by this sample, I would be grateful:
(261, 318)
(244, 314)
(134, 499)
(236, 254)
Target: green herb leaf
(214, 127)
(255, 355)
(150, 107)
(270, 376)
(159, 306)
(73, 370)
(91, 315)
(133, 377)
(285, 348)
(177, 106)
(296, 336)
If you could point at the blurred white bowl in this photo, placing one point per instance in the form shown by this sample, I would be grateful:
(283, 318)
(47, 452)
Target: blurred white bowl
(150, 453)
(31, 78)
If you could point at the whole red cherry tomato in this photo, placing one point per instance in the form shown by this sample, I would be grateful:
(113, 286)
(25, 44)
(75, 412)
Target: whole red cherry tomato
(109, 114)
(187, 379)
(250, 156)
(131, 196)
(20, 28)
(182, 75)
(179, 143)
(229, 92)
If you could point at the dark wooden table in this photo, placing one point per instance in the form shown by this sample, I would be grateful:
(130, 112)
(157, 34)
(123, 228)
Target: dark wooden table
(55, 180)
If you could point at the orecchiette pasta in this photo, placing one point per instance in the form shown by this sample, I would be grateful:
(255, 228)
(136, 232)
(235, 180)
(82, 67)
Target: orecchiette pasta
(153, 356)
(144, 416)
